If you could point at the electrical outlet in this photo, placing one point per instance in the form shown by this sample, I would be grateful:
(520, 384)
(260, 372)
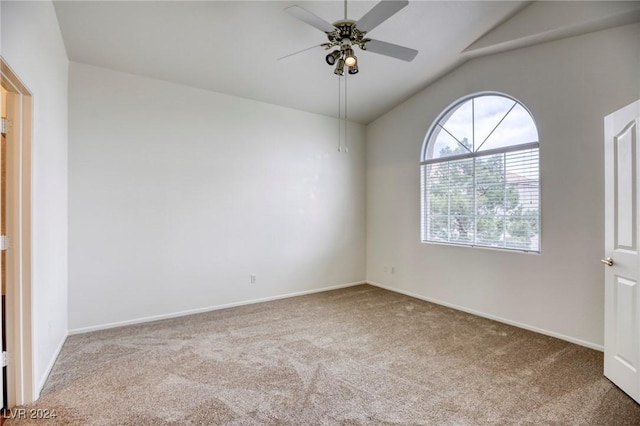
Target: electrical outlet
(253, 279)
(385, 268)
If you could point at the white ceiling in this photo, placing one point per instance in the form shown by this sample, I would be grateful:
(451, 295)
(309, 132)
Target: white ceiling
(232, 47)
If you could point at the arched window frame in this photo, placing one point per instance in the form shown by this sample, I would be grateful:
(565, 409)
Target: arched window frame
(531, 148)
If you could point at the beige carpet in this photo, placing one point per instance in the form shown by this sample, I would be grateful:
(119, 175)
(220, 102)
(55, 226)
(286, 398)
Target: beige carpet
(360, 355)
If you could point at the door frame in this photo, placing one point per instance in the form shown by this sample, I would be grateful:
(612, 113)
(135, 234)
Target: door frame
(20, 386)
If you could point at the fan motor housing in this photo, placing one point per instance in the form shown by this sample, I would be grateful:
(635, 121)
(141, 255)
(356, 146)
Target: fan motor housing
(346, 29)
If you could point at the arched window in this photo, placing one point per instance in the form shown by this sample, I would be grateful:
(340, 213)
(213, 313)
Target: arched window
(480, 175)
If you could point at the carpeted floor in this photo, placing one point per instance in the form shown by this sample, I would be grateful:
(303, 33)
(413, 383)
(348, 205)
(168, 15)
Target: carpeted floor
(360, 355)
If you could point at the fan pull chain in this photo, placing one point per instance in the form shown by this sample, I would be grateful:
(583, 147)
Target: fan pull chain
(346, 139)
(339, 115)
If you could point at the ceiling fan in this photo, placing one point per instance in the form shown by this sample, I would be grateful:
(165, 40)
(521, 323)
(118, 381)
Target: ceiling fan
(346, 33)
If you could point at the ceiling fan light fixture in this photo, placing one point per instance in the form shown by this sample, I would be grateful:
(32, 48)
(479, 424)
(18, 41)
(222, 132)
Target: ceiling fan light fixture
(350, 59)
(354, 69)
(339, 67)
(332, 57)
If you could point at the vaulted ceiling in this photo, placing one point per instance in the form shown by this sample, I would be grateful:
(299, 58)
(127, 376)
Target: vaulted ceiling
(233, 47)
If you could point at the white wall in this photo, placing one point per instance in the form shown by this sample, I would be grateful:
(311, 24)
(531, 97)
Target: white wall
(32, 46)
(569, 86)
(178, 195)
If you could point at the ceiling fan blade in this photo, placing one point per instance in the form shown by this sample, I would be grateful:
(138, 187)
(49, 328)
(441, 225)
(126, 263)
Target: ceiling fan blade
(390, 49)
(305, 16)
(380, 13)
(299, 51)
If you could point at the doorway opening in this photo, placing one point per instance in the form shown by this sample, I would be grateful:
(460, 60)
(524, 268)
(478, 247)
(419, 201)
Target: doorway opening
(15, 227)
(3, 233)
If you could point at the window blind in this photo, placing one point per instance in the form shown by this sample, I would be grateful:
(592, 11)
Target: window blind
(489, 200)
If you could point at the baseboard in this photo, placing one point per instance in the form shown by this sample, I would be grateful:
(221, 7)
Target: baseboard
(52, 362)
(492, 317)
(318, 290)
(207, 309)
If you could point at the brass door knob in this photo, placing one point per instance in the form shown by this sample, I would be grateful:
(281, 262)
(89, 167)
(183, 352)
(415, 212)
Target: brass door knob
(608, 261)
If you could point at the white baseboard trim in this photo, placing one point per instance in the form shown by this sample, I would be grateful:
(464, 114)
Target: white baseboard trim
(207, 309)
(52, 362)
(492, 317)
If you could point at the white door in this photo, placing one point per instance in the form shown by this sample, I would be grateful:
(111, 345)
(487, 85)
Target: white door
(622, 258)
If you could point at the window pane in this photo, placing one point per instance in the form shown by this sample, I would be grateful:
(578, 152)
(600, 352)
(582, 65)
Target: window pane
(461, 187)
(445, 145)
(438, 189)
(460, 124)
(449, 195)
(517, 128)
(488, 111)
